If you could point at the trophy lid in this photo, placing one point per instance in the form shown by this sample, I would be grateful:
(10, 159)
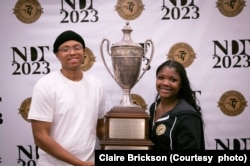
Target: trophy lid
(127, 40)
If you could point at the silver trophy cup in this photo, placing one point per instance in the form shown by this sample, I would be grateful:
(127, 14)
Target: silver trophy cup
(127, 58)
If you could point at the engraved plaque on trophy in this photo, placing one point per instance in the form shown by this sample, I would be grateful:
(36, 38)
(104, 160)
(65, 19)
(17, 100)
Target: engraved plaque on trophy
(126, 125)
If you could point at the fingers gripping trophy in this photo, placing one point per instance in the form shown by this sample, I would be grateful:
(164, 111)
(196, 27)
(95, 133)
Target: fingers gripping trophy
(126, 124)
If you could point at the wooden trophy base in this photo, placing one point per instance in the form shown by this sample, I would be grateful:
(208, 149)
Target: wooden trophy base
(126, 128)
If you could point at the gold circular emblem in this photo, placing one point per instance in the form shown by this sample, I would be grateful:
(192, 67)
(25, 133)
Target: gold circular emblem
(138, 100)
(89, 59)
(24, 108)
(230, 8)
(232, 103)
(27, 11)
(129, 9)
(183, 53)
(160, 129)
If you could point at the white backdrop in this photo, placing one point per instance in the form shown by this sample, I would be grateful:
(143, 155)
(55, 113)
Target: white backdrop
(209, 33)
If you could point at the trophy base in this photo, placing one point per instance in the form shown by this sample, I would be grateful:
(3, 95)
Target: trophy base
(125, 144)
(126, 128)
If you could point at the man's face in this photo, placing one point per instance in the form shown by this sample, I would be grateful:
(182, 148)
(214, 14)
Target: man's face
(71, 55)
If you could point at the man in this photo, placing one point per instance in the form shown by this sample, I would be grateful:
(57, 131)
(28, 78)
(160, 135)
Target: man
(66, 108)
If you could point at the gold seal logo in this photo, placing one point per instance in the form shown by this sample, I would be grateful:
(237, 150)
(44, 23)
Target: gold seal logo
(138, 100)
(160, 129)
(232, 103)
(183, 53)
(89, 59)
(129, 9)
(24, 108)
(27, 11)
(230, 8)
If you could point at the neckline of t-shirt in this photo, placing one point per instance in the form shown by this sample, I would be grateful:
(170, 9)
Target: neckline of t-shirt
(68, 80)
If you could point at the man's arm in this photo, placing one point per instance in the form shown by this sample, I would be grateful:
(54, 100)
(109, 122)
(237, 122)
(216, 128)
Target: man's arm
(43, 140)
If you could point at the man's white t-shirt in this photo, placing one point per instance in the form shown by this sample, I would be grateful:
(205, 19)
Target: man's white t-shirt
(73, 108)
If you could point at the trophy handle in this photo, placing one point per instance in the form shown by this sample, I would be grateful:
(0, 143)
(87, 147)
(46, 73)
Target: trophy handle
(148, 61)
(103, 59)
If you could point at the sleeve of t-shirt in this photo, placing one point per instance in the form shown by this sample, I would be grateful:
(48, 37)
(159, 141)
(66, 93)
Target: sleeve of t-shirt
(41, 104)
(102, 106)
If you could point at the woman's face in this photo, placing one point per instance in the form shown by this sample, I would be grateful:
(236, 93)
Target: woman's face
(168, 83)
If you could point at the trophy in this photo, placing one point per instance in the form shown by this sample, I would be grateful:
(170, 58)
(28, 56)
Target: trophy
(126, 125)
(127, 57)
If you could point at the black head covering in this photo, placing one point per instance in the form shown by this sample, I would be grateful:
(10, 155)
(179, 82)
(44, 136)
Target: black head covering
(65, 36)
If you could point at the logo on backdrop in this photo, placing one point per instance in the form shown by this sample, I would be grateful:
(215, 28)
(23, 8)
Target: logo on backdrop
(183, 53)
(30, 60)
(24, 108)
(138, 100)
(230, 8)
(27, 155)
(129, 9)
(179, 10)
(89, 59)
(28, 11)
(232, 54)
(232, 103)
(232, 144)
(78, 11)
(1, 118)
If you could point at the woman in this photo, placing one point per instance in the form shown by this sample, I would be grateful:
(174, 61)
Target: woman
(176, 121)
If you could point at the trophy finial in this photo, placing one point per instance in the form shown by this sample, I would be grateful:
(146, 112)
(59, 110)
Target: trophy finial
(127, 39)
